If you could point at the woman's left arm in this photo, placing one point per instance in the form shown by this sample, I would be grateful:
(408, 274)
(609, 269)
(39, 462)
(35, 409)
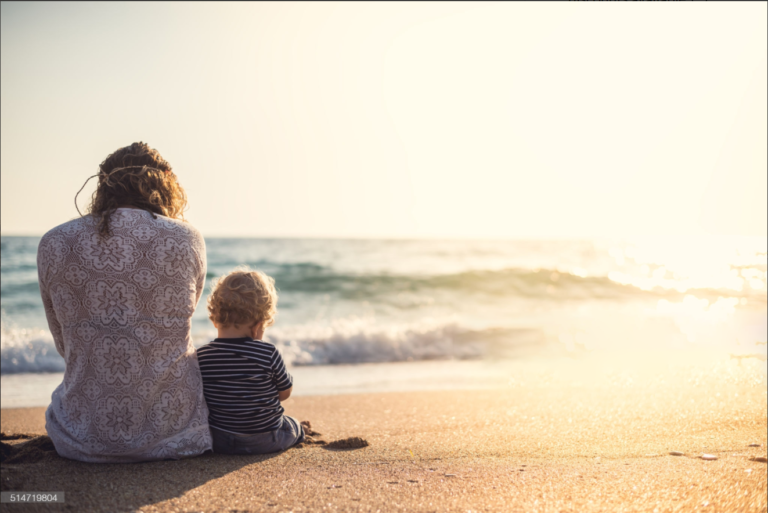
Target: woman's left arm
(198, 245)
(50, 313)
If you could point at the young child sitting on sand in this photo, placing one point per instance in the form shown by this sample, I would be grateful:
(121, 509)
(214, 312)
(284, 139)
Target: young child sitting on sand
(244, 379)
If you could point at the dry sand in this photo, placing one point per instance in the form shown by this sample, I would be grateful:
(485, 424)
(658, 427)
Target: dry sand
(549, 442)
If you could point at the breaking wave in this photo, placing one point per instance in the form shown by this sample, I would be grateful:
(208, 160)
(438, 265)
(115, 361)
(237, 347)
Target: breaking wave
(342, 342)
(358, 341)
(23, 350)
(528, 283)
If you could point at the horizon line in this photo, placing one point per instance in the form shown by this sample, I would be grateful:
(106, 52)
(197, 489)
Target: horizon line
(436, 238)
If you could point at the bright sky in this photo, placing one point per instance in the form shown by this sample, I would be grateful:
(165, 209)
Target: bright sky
(523, 120)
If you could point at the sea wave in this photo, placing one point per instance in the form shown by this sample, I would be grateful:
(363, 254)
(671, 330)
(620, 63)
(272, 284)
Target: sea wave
(23, 350)
(349, 341)
(16, 289)
(344, 341)
(555, 284)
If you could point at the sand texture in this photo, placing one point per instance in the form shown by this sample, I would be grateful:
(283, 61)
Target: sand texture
(546, 443)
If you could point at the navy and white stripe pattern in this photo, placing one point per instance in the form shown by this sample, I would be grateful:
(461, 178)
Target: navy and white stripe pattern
(241, 379)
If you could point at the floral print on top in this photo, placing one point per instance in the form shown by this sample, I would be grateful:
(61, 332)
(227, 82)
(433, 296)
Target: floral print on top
(120, 310)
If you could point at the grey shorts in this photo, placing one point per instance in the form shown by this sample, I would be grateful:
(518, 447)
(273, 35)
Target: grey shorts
(287, 435)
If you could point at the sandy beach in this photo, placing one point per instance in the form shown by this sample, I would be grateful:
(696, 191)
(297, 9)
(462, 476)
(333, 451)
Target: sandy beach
(551, 442)
(513, 255)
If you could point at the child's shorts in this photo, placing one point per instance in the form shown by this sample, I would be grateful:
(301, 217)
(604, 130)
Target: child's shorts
(287, 435)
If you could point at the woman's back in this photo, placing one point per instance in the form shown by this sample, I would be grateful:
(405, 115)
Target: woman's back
(119, 307)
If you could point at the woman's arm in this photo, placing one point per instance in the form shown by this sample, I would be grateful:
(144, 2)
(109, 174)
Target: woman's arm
(42, 280)
(198, 246)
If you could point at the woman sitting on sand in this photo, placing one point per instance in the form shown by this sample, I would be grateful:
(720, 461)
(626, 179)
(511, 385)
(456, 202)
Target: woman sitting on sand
(119, 288)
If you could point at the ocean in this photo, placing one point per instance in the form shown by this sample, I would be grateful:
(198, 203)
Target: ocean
(378, 315)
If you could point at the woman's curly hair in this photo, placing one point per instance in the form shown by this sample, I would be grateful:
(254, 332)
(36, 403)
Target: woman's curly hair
(136, 176)
(243, 297)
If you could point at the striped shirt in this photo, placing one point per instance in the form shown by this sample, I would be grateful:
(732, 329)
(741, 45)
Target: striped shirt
(241, 379)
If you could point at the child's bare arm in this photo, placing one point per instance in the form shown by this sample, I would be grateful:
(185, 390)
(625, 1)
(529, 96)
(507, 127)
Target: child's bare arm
(285, 394)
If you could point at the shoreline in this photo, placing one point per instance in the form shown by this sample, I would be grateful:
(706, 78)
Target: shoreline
(552, 446)
(25, 390)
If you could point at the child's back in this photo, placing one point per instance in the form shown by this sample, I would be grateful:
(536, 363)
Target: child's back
(244, 379)
(241, 381)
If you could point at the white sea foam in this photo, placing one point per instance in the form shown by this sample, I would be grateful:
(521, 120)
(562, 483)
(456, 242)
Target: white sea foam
(363, 340)
(25, 350)
(343, 341)
(358, 341)
(350, 340)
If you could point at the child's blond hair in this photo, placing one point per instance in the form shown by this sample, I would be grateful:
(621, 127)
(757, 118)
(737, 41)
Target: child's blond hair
(243, 297)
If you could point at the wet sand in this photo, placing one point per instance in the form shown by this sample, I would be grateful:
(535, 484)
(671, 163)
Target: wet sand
(598, 441)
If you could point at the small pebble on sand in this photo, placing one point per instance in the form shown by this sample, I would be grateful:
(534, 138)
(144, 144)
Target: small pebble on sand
(761, 459)
(754, 445)
(676, 453)
(708, 457)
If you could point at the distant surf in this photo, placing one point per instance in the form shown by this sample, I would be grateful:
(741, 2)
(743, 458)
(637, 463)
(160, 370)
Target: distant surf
(346, 342)
(378, 301)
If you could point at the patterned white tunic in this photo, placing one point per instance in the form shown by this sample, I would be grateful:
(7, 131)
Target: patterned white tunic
(120, 310)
